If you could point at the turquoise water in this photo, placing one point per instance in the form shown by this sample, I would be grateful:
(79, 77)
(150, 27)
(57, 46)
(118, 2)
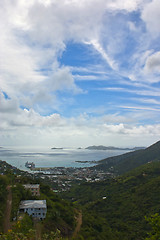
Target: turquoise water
(45, 157)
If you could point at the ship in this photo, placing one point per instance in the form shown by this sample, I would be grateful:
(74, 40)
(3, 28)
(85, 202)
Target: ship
(30, 165)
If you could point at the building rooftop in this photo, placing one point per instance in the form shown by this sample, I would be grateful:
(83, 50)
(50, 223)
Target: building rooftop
(33, 204)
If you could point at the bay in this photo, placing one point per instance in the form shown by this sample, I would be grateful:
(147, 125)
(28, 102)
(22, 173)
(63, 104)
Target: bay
(46, 157)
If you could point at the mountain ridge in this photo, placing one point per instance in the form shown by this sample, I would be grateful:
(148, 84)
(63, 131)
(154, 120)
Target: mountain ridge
(128, 161)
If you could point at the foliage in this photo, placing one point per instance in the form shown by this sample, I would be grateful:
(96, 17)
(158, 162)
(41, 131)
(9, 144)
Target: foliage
(3, 198)
(154, 221)
(31, 235)
(21, 230)
(53, 236)
(24, 225)
(119, 204)
(60, 213)
(19, 193)
(18, 236)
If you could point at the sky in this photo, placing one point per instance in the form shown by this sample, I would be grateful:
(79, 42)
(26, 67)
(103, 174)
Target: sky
(75, 73)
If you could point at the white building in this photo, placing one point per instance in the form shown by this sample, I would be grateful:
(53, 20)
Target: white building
(34, 208)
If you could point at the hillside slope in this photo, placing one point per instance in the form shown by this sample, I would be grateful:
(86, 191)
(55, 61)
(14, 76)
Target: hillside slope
(3, 199)
(126, 162)
(116, 209)
(61, 214)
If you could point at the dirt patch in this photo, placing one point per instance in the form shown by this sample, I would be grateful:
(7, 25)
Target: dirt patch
(38, 228)
(78, 226)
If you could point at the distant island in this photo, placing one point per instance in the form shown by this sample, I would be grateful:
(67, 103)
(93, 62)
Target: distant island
(87, 161)
(101, 147)
(56, 148)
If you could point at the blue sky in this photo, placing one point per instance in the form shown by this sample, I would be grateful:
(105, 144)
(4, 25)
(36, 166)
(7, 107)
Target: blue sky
(76, 73)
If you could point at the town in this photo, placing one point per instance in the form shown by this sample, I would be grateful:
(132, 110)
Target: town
(60, 179)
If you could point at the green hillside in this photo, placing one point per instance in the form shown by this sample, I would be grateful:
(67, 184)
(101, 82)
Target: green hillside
(3, 198)
(126, 162)
(116, 209)
(60, 218)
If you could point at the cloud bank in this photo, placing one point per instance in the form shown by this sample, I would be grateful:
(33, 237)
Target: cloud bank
(46, 98)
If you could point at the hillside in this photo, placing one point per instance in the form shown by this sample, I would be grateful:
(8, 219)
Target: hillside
(116, 209)
(3, 198)
(61, 215)
(128, 161)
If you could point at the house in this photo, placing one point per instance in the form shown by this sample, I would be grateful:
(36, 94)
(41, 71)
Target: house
(34, 188)
(35, 208)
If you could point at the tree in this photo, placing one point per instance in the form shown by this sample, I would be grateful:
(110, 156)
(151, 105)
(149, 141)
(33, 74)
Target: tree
(154, 221)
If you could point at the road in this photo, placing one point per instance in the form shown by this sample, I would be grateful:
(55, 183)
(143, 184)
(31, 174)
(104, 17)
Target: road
(79, 223)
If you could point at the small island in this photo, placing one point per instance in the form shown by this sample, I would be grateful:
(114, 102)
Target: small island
(94, 161)
(101, 147)
(54, 148)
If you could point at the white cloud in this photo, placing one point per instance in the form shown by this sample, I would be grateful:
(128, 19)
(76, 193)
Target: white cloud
(150, 101)
(151, 16)
(8, 105)
(100, 49)
(30, 128)
(28, 121)
(144, 92)
(125, 5)
(87, 77)
(65, 20)
(153, 63)
(63, 79)
(134, 130)
(141, 108)
(23, 53)
(34, 34)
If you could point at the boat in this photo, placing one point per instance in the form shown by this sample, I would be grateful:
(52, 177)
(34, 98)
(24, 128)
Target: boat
(30, 165)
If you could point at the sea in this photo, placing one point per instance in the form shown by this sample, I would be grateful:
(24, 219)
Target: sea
(47, 157)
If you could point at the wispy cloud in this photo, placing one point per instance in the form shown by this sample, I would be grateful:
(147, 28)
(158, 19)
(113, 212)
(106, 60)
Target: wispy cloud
(152, 92)
(141, 108)
(106, 57)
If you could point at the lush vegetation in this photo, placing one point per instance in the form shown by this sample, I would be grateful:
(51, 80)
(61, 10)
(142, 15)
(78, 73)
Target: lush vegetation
(154, 221)
(60, 219)
(3, 198)
(128, 161)
(60, 213)
(19, 193)
(116, 209)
